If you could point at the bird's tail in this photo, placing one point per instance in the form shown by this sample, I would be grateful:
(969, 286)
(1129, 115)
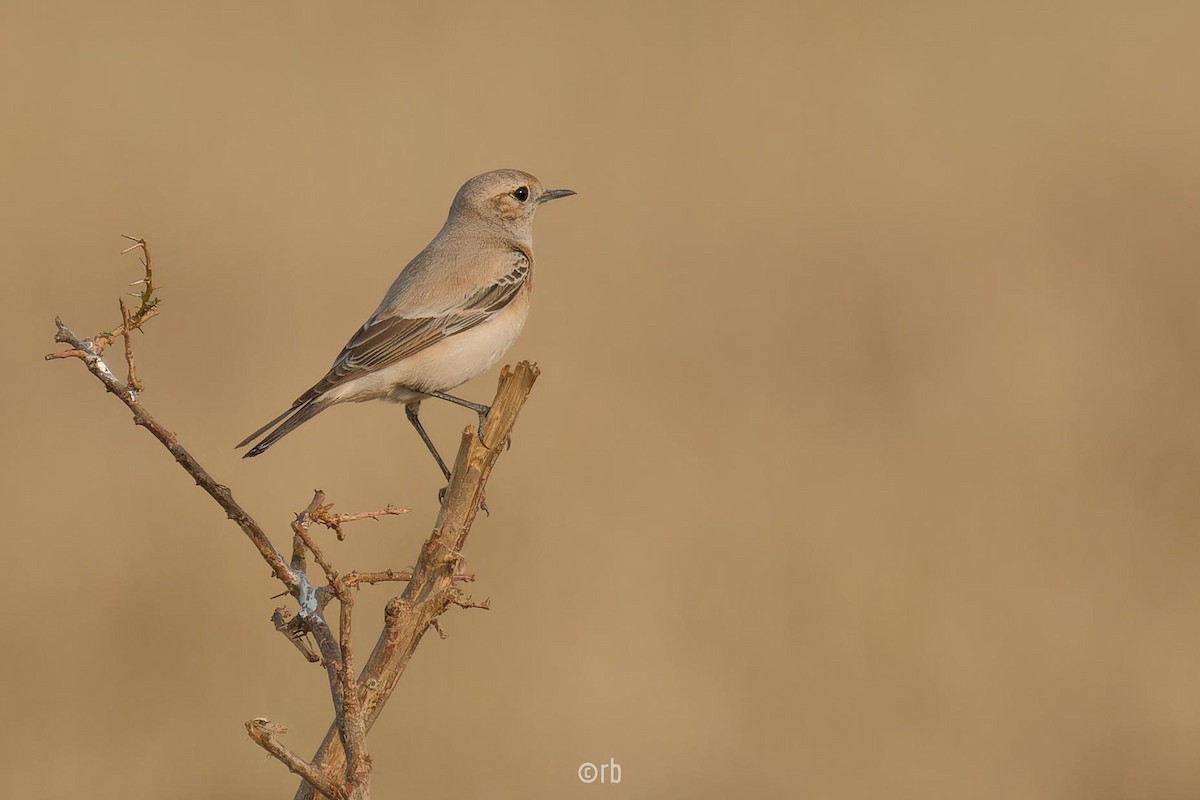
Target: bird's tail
(292, 418)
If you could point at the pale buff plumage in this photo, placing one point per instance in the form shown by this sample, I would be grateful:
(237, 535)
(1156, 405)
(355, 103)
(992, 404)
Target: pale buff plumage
(450, 315)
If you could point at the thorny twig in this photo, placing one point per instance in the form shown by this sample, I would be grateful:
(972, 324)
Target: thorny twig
(130, 321)
(334, 522)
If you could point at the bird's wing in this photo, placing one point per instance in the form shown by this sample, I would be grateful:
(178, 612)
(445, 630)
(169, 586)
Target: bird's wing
(389, 338)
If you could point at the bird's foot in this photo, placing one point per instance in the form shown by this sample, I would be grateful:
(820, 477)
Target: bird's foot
(483, 417)
(483, 506)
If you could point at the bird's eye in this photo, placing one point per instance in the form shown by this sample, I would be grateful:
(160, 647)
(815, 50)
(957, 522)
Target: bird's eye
(521, 193)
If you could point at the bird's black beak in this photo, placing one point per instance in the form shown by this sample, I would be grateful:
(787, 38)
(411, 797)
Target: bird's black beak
(554, 194)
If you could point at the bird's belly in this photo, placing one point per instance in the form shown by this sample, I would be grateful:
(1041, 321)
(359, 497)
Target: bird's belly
(458, 359)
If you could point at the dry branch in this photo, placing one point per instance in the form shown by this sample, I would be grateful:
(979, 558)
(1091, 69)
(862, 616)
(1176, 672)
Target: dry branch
(341, 768)
(431, 590)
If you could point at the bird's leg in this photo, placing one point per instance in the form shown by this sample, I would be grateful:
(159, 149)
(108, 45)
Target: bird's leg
(478, 408)
(411, 411)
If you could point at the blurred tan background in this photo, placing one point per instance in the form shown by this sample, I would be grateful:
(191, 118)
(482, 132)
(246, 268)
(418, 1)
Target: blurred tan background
(864, 459)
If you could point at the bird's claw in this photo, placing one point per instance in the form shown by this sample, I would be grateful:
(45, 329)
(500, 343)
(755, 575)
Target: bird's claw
(483, 506)
(483, 417)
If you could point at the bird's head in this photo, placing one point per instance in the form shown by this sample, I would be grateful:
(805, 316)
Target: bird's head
(508, 198)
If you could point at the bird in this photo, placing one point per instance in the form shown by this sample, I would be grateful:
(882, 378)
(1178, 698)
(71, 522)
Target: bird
(449, 316)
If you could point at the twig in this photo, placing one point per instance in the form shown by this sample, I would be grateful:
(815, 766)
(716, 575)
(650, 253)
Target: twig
(263, 732)
(126, 332)
(335, 521)
(355, 578)
(465, 601)
(148, 300)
